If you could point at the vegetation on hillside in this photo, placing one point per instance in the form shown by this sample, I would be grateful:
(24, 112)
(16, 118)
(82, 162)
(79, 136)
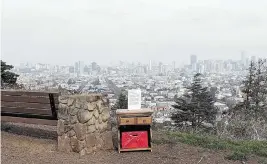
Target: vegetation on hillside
(195, 107)
(122, 102)
(255, 90)
(238, 149)
(248, 120)
(243, 130)
(96, 82)
(7, 77)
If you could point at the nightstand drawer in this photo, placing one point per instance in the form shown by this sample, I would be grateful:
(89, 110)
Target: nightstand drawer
(127, 121)
(144, 120)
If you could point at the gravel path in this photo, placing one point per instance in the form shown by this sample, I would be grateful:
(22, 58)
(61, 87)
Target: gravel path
(28, 149)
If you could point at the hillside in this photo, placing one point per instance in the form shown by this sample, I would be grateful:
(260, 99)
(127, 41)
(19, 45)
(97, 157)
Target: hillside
(27, 148)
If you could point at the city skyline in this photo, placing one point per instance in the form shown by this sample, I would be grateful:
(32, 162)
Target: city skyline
(242, 57)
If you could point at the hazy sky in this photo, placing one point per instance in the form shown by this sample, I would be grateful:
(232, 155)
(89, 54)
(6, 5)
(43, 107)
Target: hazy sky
(64, 31)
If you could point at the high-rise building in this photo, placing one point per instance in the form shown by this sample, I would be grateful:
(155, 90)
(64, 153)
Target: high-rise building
(76, 67)
(173, 65)
(71, 69)
(247, 62)
(243, 58)
(160, 67)
(253, 58)
(79, 68)
(81, 65)
(201, 68)
(150, 65)
(193, 62)
(193, 59)
(94, 66)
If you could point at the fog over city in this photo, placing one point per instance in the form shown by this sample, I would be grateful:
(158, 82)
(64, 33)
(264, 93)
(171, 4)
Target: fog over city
(103, 31)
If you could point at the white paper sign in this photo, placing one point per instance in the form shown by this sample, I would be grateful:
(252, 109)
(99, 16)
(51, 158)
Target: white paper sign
(134, 99)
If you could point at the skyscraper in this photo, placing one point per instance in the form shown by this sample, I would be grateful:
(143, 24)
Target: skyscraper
(193, 62)
(253, 58)
(150, 65)
(243, 58)
(94, 66)
(160, 67)
(173, 65)
(76, 67)
(81, 65)
(71, 69)
(79, 68)
(193, 59)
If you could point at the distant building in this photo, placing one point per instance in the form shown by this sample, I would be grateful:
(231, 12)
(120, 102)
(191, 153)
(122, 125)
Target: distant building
(201, 68)
(243, 59)
(71, 69)
(173, 65)
(94, 66)
(193, 59)
(193, 62)
(79, 68)
(253, 58)
(150, 65)
(160, 67)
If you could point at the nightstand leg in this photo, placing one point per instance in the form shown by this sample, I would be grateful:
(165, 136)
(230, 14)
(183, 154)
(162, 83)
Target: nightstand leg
(119, 145)
(151, 138)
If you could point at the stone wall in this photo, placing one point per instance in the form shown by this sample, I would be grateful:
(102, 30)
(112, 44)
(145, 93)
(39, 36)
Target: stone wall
(84, 124)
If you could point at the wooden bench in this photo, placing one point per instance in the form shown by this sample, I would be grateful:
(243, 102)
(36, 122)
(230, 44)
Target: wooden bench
(29, 107)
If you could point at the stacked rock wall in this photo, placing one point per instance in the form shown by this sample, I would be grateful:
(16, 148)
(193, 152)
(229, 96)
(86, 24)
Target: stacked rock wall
(84, 124)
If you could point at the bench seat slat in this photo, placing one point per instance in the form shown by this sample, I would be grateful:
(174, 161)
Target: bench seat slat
(27, 93)
(25, 105)
(27, 110)
(41, 100)
(28, 120)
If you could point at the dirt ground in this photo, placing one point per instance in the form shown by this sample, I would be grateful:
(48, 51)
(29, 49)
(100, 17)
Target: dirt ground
(32, 144)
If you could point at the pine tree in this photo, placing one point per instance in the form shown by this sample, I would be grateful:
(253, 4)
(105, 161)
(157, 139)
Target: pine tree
(195, 107)
(255, 90)
(7, 77)
(96, 82)
(258, 96)
(248, 84)
(248, 119)
(122, 102)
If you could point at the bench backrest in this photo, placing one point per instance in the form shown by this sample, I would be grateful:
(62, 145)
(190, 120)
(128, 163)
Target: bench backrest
(41, 105)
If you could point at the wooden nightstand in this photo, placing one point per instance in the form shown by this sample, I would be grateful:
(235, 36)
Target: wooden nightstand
(134, 129)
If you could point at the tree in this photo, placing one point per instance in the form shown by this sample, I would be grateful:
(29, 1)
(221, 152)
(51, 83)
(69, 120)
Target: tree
(175, 97)
(255, 90)
(7, 77)
(96, 82)
(196, 107)
(248, 84)
(54, 83)
(247, 120)
(71, 81)
(213, 91)
(122, 102)
(259, 94)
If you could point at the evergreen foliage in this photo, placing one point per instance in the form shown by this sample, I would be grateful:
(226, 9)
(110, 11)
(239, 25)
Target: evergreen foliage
(122, 102)
(255, 91)
(7, 77)
(197, 106)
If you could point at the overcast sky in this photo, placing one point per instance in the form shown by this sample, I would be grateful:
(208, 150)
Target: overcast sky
(64, 31)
